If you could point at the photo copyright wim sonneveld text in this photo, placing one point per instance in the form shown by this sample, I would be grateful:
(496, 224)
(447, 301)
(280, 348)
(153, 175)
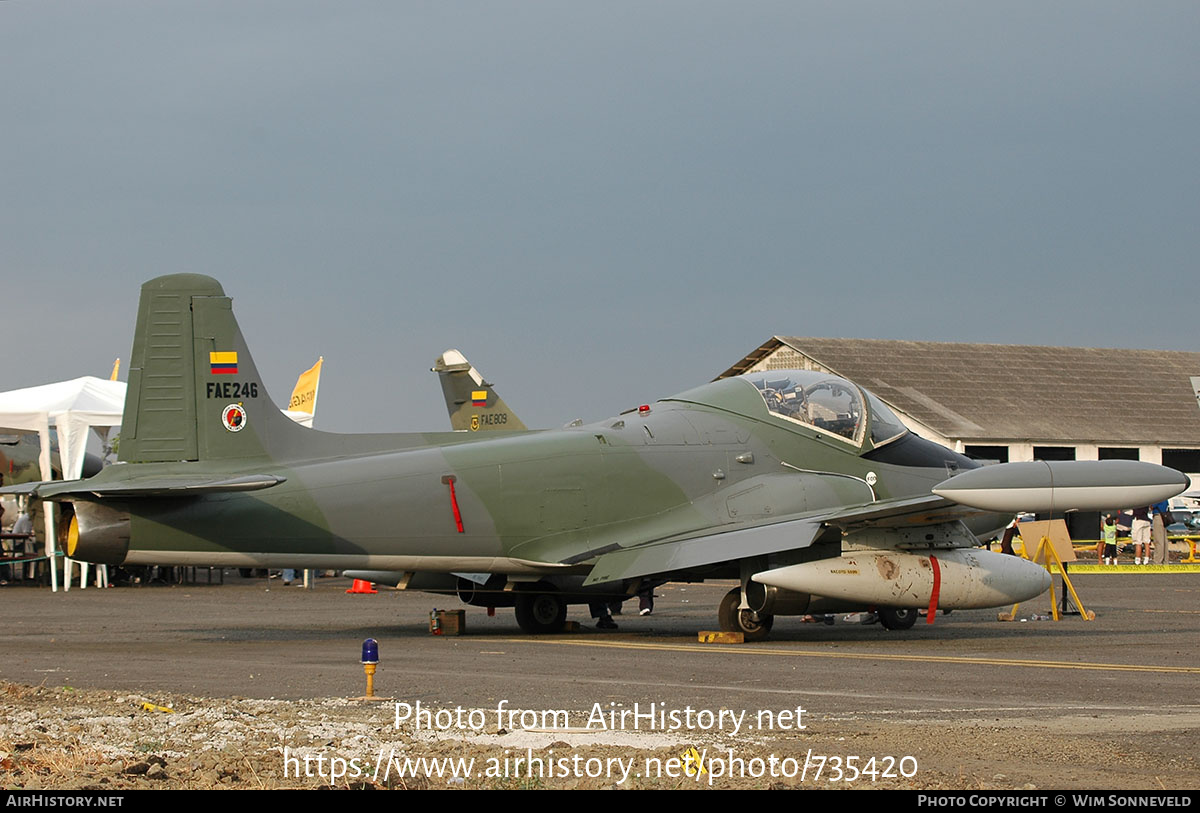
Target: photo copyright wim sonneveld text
(1001, 799)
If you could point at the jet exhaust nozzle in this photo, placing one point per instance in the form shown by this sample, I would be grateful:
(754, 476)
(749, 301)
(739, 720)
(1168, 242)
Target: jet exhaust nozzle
(98, 534)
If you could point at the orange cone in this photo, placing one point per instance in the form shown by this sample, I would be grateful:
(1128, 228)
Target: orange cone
(362, 586)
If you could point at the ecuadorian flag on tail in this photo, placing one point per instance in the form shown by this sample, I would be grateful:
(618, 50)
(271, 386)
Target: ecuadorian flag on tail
(223, 363)
(479, 398)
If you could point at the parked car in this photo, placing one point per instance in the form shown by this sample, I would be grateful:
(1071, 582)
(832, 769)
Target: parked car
(1186, 522)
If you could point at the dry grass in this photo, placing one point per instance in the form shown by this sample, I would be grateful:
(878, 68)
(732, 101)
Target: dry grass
(52, 765)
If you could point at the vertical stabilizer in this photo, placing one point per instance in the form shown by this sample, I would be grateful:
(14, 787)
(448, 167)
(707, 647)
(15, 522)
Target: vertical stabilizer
(472, 402)
(302, 407)
(194, 391)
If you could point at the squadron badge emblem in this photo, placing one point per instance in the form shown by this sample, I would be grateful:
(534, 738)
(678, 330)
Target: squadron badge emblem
(234, 417)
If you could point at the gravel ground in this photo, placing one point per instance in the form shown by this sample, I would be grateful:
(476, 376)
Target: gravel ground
(62, 738)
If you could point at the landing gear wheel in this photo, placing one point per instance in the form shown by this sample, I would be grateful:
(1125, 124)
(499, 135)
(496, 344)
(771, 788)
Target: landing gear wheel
(897, 618)
(753, 626)
(541, 610)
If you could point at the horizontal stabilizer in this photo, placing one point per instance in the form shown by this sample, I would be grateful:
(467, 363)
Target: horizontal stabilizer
(161, 486)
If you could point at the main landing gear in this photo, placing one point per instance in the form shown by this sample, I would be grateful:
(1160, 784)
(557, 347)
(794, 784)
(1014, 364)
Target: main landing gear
(541, 609)
(754, 626)
(897, 618)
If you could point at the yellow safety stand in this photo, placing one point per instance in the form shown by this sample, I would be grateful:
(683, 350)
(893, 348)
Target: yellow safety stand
(1045, 553)
(1018, 538)
(1191, 560)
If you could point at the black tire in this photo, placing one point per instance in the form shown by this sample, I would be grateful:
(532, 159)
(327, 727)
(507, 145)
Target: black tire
(753, 626)
(541, 610)
(897, 618)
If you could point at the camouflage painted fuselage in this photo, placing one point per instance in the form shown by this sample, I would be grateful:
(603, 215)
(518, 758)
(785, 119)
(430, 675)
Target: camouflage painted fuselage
(528, 502)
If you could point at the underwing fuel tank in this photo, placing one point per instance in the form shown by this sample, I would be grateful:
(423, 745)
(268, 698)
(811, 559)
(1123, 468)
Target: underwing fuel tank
(964, 578)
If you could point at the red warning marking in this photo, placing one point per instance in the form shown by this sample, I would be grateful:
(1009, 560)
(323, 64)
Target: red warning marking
(454, 504)
(937, 586)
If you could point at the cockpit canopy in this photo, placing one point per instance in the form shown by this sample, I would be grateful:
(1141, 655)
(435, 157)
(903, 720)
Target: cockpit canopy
(827, 403)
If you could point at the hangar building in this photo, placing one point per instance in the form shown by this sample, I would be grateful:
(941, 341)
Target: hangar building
(1015, 402)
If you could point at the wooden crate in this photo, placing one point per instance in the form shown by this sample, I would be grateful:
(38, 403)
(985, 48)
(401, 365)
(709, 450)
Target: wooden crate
(451, 622)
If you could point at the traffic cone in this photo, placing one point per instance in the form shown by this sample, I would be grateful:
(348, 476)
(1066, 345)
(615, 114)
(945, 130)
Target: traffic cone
(361, 586)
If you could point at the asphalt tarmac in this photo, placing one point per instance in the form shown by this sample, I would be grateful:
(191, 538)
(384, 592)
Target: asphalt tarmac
(259, 639)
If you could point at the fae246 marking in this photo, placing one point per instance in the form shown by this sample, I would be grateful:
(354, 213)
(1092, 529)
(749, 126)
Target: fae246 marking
(231, 389)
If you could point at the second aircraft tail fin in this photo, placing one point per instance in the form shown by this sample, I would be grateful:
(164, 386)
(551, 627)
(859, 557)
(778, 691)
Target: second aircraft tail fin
(472, 402)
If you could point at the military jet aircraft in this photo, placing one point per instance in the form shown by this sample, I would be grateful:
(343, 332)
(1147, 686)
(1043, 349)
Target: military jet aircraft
(801, 485)
(19, 458)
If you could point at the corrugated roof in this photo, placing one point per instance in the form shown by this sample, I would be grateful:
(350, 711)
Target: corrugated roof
(1017, 392)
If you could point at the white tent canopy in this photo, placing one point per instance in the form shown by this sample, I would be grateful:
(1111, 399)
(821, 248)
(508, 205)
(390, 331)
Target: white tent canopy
(71, 407)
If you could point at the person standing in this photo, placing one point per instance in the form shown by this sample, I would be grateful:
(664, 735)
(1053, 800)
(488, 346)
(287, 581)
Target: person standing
(23, 549)
(1109, 533)
(1140, 531)
(1158, 532)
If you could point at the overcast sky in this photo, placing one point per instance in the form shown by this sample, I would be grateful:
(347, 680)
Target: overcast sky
(600, 204)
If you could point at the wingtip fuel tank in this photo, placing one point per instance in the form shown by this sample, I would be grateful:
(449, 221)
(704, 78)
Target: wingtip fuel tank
(1064, 485)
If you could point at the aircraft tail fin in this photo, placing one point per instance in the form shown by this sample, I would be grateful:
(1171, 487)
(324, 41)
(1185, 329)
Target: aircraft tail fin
(472, 402)
(302, 407)
(194, 392)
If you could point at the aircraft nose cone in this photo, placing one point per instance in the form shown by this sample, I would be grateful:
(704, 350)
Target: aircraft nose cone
(1045, 583)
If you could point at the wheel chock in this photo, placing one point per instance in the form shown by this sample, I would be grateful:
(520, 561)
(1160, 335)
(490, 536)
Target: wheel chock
(714, 637)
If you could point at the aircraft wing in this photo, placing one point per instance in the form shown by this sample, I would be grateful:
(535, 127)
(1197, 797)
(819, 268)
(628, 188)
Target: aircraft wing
(723, 545)
(666, 557)
(161, 486)
(930, 520)
(929, 509)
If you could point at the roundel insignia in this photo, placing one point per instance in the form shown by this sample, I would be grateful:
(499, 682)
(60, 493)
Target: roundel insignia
(234, 417)
(871, 478)
(474, 423)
